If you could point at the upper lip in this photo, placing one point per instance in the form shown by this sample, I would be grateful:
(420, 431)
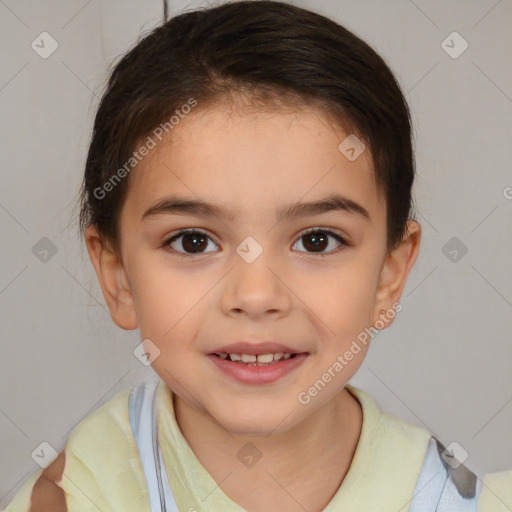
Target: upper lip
(265, 347)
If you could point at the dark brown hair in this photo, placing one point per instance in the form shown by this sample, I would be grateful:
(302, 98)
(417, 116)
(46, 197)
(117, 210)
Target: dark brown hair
(269, 52)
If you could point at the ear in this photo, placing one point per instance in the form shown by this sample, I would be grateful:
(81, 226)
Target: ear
(112, 279)
(394, 272)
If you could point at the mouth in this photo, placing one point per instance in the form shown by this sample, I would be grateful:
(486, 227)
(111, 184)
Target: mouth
(257, 369)
(269, 359)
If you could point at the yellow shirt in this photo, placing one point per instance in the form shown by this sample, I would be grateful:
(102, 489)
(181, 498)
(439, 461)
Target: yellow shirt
(103, 470)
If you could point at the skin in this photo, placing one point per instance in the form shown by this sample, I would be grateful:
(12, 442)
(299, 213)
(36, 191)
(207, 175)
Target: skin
(190, 305)
(46, 494)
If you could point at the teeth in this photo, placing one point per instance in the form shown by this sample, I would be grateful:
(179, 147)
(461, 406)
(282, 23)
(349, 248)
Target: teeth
(265, 358)
(259, 360)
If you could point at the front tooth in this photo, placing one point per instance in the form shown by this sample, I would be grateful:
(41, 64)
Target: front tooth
(278, 356)
(248, 358)
(235, 357)
(286, 356)
(265, 358)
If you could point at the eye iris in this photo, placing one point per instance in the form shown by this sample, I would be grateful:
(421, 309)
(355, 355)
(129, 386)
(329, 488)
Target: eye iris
(319, 240)
(194, 242)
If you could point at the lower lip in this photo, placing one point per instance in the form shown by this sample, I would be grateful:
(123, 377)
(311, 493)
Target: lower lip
(258, 374)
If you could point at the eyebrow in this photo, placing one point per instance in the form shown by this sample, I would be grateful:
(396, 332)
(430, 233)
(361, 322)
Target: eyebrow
(180, 205)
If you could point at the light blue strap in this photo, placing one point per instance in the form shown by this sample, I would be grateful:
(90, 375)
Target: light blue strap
(453, 498)
(431, 482)
(170, 502)
(140, 413)
(441, 488)
(166, 495)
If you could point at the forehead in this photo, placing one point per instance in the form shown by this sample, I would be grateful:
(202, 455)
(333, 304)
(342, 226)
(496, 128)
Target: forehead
(252, 162)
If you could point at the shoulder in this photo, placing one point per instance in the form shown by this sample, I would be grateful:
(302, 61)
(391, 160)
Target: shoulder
(390, 449)
(103, 467)
(100, 441)
(388, 429)
(113, 413)
(103, 433)
(93, 439)
(496, 495)
(41, 492)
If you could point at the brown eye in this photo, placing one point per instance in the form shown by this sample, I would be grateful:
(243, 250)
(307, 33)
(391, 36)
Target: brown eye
(192, 242)
(317, 240)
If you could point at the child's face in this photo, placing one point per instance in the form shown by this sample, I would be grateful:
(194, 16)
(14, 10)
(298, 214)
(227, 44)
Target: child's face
(191, 305)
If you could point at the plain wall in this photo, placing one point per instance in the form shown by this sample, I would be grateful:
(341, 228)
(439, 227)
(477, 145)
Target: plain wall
(444, 365)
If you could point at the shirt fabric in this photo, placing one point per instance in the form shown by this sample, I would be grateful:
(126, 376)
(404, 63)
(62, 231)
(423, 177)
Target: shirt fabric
(104, 472)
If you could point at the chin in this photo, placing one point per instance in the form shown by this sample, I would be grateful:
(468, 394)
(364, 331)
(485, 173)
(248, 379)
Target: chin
(254, 423)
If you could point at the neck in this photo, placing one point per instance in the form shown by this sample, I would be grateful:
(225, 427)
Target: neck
(299, 469)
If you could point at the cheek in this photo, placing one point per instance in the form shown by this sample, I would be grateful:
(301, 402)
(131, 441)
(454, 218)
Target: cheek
(342, 307)
(342, 299)
(169, 304)
(157, 297)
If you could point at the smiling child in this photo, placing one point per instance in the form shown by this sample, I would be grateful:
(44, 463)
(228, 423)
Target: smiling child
(247, 207)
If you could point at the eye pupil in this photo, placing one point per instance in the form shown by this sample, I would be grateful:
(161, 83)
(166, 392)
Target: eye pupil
(318, 240)
(194, 242)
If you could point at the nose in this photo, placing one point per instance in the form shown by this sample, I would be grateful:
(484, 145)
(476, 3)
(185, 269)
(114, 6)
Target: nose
(256, 289)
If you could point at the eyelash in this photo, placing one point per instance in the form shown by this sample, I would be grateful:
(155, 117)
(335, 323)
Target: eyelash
(166, 244)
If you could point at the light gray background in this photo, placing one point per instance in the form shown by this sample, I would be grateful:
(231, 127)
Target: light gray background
(444, 365)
